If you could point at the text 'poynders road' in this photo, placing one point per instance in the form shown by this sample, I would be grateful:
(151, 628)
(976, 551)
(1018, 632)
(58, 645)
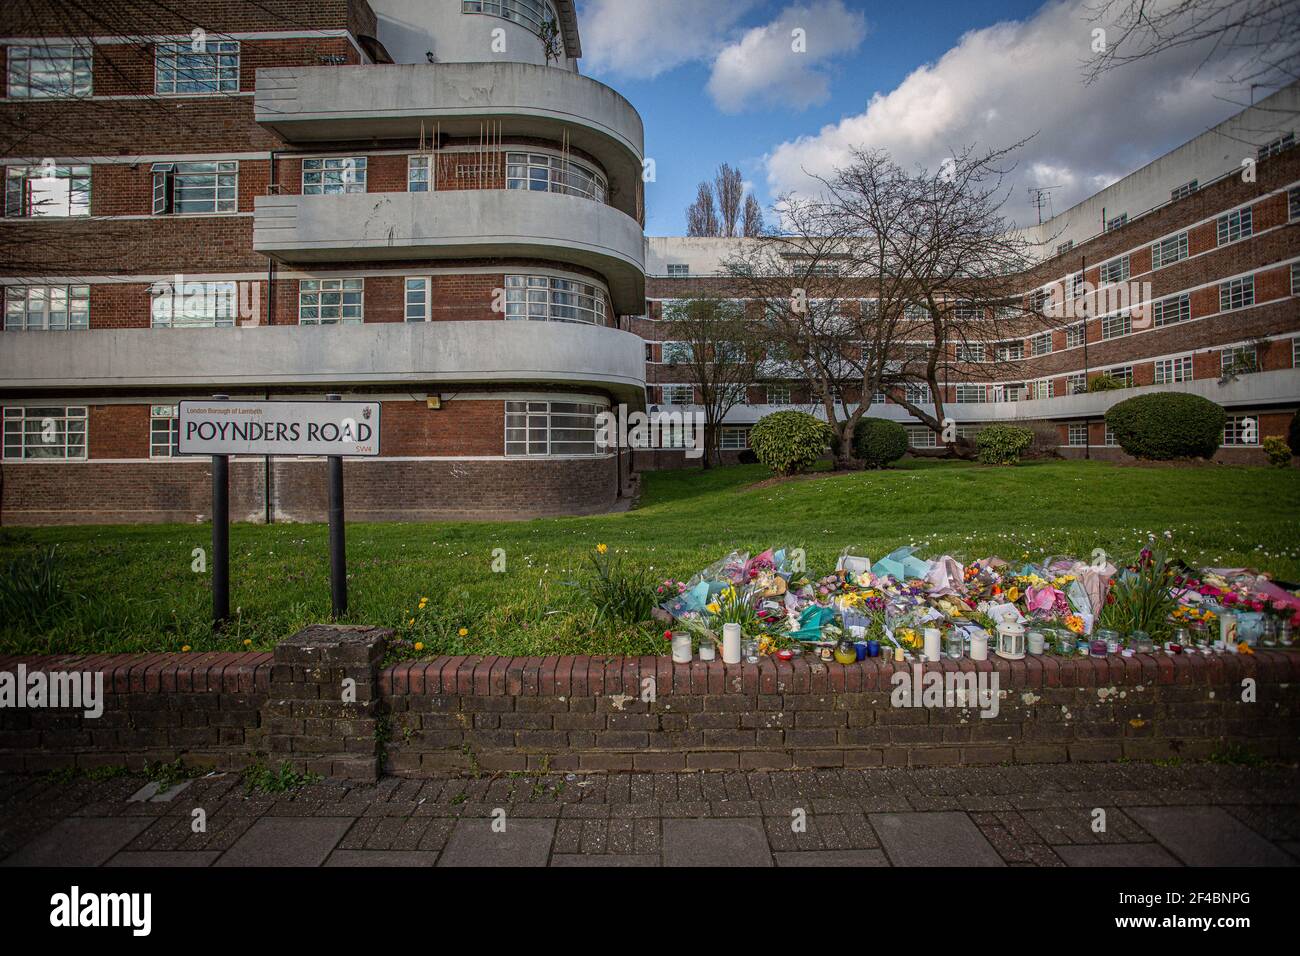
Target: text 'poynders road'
(279, 428)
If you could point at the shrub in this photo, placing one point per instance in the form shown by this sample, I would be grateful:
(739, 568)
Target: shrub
(1167, 425)
(1279, 453)
(788, 442)
(1105, 383)
(1003, 444)
(747, 457)
(879, 442)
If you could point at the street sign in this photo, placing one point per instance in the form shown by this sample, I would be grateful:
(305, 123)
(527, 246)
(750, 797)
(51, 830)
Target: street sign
(216, 427)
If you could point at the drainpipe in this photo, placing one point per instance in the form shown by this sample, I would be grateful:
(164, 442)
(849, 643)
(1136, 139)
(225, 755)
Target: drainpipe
(268, 517)
(1087, 422)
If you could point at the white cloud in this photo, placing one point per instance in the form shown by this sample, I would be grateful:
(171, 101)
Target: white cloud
(784, 62)
(1005, 82)
(641, 39)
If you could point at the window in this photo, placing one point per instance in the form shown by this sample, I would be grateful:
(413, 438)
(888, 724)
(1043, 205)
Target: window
(535, 429)
(419, 175)
(1241, 430)
(194, 305)
(1074, 285)
(1183, 191)
(1065, 247)
(1235, 225)
(678, 394)
(969, 394)
(1118, 221)
(970, 352)
(417, 300)
(1122, 374)
(47, 191)
(164, 431)
(195, 187)
(181, 69)
(48, 72)
(43, 308)
(1236, 293)
(1113, 326)
(1110, 440)
(333, 176)
(1077, 435)
(1074, 335)
(918, 393)
(674, 352)
(1174, 370)
(1168, 251)
(550, 299)
(1175, 308)
(920, 437)
(1076, 384)
(1010, 351)
(879, 398)
(1117, 270)
(1295, 353)
(530, 14)
(677, 269)
(1015, 392)
(1295, 278)
(733, 439)
(1040, 344)
(330, 301)
(541, 172)
(45, 433)
(778, 395)
(1239, 359)
(1276, 146)
(1043, 388)
(1039, 300)
(1293, 204)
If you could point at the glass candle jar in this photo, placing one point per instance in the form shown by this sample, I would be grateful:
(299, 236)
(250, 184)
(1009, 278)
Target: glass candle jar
(1098, 648)
(708, 650)
(1141, 642)
(681, 647)
(749, 650)
(1035, 642)
(956, 644)
(1064, 643)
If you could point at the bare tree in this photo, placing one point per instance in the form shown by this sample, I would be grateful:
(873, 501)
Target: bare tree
(713, 342)
(702, 216)
(752, 225)
(730, 189)
(1264, 35)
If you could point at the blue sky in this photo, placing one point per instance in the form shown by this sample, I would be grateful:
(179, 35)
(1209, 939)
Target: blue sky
(710, 87)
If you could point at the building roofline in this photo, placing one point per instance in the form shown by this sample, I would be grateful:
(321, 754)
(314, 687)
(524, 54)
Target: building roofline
(568, 13)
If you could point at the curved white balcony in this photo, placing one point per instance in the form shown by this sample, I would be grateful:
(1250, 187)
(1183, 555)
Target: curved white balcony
(368, 103)
(317, 357)
(458, 224)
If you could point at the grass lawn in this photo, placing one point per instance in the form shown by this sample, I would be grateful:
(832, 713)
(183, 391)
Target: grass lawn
(133, 588)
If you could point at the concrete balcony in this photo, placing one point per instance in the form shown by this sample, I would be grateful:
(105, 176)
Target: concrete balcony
(397, 102)
(458, 224)
(425, 354)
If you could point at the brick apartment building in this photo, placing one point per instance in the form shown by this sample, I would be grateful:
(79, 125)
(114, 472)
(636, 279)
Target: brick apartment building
(1221, 254)
(423, 203)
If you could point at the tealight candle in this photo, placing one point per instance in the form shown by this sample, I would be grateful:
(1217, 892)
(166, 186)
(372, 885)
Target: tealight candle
(932, 638)
(708, 651)
(979, 647)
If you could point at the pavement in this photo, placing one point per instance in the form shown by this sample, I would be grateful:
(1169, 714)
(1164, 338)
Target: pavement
(1124, 814)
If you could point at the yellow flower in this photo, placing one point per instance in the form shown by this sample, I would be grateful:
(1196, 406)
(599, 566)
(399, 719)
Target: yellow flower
(713, 608)
(419, 645)
(602, 548)
(1013, 594)
(463, 631)
(185, 647)
(410, 622)
(248, 642)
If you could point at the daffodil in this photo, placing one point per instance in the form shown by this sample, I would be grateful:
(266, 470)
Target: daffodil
(419, 645)
(602, 548)
(463, 631)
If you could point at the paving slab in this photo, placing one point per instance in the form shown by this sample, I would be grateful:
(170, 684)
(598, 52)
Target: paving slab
(287, 841)
(832, 858)
(946, 838)
(1208, 836)
(605, 859)
(738, 842)
(522, 843)
(382, 858)
(1116, 854)
(165, 858)
(80, 841)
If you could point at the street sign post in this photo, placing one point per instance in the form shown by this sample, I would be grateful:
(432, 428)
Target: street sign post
(221, 427)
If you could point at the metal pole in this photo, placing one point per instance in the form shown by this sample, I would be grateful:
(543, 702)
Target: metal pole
(338, 544)
(220, 535)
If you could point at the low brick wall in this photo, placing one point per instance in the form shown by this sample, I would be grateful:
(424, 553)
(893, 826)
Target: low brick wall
(325, 703)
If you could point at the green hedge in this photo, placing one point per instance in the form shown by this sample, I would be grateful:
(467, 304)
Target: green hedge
(879, 442)
(1167, 425)
(788, 442)
(1003, 444)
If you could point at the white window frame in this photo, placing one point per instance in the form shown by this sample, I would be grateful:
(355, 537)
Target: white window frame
(1180, 304)
(333, 294)
(733, 438)
(1234, 226)
(177, 186)
(970, 393)
(20, 299)
(918, 436)
(777, 395)
(543, 298)
(1237, 294)
(18, 436)
(202, 305)
(1117, 325)
(1273, 147)
(1115, 270)
(1040, 344)
(1168, 251)
(1233, 428)
(21, 201)
(1076, 383)
(1183, 191)
(1232, 354)
(529, 14)
(1116, 222)
(530, 428)
(1075, 335)
(1110, 441)
(678, 270)
(164, 431)
(417, 299)
(536, 171)
(673, 393)
(212, 68)
(1121, 373)
(1009, 351)
(1073, 436)
(334, 175)
(676, 353)
(420, 173)
(49, 71)
(1171, 370)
